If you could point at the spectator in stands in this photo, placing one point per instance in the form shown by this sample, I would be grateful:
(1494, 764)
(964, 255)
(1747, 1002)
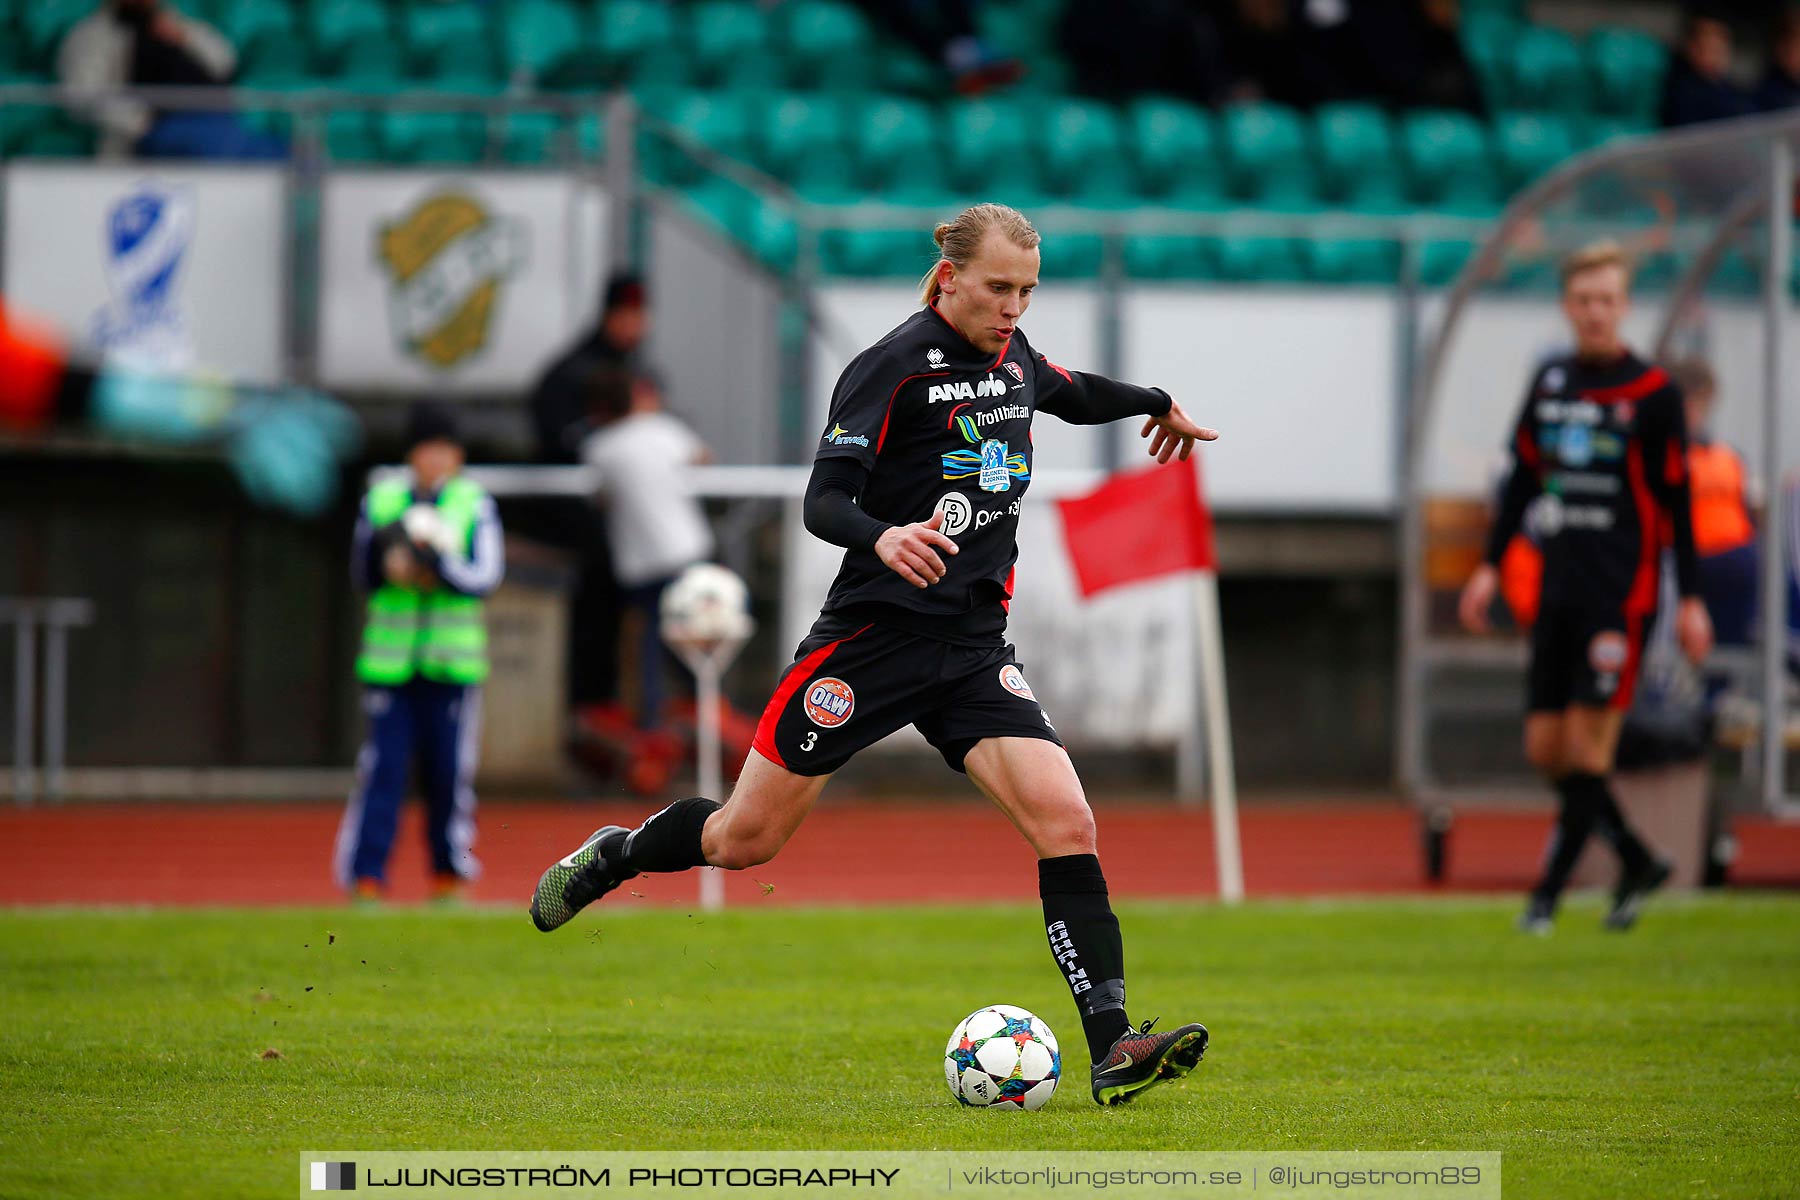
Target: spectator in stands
(149, 43)
(1699, 86)
(944, 31)
(1408, 53)
(1168, 47)
(1780, 86)
(1724, 533)
(562, 404)
(656, 526)
(563, 415)
(1288, 54)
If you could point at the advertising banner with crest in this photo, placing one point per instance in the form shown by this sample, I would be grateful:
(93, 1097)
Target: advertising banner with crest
(466, 282)
(171, 268)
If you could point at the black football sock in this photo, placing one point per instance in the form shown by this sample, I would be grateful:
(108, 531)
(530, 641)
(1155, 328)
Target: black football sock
(667, 841)
(1574, 823)
(1084, 939)
(1634, 856)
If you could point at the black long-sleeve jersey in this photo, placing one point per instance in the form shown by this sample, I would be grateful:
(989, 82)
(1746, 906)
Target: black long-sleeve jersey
(937, 423)
(1605, 446)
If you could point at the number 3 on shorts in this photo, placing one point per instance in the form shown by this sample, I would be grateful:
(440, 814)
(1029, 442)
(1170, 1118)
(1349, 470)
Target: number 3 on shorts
(812, 739)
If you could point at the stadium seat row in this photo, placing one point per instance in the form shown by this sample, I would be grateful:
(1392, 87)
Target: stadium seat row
(728, 44)
(770, 235)
(1152, 150)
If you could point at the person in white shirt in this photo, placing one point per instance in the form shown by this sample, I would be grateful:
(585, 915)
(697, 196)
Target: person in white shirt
(655, 524)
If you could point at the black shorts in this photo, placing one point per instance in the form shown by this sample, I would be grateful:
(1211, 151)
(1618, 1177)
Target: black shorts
(1586, 656)
(851, 685)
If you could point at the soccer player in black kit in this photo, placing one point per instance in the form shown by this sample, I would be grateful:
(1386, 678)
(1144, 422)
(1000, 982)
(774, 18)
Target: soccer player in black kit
(1600, 455)
(919, 475)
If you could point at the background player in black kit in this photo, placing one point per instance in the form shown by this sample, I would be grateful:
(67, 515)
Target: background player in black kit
(920, 473)
(1600, 450)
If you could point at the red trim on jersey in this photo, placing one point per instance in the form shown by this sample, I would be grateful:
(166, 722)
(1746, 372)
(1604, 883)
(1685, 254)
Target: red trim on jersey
(1674, 465)
(1006, 600)
(1637, 389)
(1059, 370)
(1528, 451)
(888, 415)
(1634, 657)
(790, 683)
(1642, 598)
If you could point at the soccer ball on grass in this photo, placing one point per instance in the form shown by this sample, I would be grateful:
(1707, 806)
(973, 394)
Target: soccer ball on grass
(1002, 1057)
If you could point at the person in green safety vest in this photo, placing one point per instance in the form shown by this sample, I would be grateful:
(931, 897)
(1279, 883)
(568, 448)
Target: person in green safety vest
(427, 550)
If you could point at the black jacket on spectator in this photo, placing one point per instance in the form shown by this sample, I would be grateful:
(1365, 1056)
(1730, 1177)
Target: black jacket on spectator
(1690, 97)
(1778, 90)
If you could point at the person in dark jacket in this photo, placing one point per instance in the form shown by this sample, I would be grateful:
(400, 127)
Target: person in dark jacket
(1699, 86)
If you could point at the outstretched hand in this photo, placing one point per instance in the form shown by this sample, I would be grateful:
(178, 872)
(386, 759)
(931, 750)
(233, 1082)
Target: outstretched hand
(908, 550)
(1175, 432)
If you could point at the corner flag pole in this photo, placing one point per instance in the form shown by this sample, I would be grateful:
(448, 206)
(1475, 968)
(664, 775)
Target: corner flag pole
(1228, 853)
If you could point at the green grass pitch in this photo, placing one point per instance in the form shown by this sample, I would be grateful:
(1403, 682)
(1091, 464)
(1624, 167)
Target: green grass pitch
(1662, 1063)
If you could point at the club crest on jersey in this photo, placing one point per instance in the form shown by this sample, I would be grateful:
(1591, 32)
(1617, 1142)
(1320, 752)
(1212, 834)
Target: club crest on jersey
(1013, 680)
(1575, 445)
(1015, 370)
(994, 476)
(829, 702)
(1608, 651)
(934, 358)
(990, 465)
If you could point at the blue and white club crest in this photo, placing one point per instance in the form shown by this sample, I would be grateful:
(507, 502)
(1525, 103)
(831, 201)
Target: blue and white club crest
(994, 475)
(148, 234)
(1575, 445)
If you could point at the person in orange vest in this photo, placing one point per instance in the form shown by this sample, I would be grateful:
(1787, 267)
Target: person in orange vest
(1724, 531)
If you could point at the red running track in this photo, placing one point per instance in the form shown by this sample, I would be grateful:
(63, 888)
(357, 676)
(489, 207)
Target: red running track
(867, 852)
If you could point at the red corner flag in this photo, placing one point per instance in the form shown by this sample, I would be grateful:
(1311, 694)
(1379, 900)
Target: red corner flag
(1139, 525)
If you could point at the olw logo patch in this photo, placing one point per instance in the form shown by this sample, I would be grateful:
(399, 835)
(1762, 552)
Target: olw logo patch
(448, 258)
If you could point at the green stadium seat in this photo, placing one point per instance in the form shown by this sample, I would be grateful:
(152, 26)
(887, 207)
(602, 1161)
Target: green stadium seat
(336, 26)
(43, 23)
(277, 61)
(638, 40)
(1441, 258)
(1487, 41)
(18, 122)
(427, 27)
(1598, 130)
(1267, 154)
(350, 136)
(371, 65)
(462, 63)
(804, 139)
(720, 120)
(542, 43)
(590, 137)
(58, 139)
(1530, 145)
(1176, 146)
(1548, 72)
(531, 139)
(988, 144)
(1510, 10)
(1258, 259)
(895, 140)
(1356, 155)
(1626, 68)
(247, 21)
(731, 45)
(1084, 152)
(830, 45)
(433, 137)
(1332, 258)
(1446, 155)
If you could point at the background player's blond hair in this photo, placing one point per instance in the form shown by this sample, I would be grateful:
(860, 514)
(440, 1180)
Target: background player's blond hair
(958, 240)
(1593, 256)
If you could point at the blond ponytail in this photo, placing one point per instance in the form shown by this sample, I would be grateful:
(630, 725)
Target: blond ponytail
(959, 240)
